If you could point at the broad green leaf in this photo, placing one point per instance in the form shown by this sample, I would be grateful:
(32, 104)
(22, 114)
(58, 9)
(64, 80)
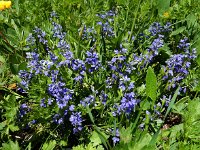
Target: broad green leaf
(49, 146)
(162, 6)
(2, 125)
(126, 135)
(165, 49)
(13, 128)
(10, 146)
(191, 20)
(102, 136)
(100, 147)
(79, 147)
(144, 141)
(179, 30)
(95, 139)
(145, 104)
(89, 147)
(151, 84)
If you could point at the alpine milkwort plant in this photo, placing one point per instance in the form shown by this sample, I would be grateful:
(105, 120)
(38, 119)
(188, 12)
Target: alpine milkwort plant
(71, 95)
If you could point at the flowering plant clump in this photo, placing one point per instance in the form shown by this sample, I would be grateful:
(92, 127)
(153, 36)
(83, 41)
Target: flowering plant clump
(73, 94)
(5, 4)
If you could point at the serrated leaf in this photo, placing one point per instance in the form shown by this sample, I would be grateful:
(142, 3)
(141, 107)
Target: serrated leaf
(95, 139)
(2, 125)
(79, 147)
(100, 147)
(90, 147)
(13, 128)
(151, 84)
(126, 135)
(10, 146)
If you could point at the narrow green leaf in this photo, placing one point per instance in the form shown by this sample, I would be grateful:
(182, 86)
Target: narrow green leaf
(90, 114)
(171, 104)
(151, 84)
(155, 136)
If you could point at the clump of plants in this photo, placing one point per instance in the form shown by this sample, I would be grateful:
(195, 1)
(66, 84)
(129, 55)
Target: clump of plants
(113, 84)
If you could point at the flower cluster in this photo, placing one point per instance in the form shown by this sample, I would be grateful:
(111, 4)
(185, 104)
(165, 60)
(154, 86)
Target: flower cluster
(157, 28)
(67, 82)
(25, 79)
(89, 33)
(93, 61)
(116, 136)
(76, 121)
(5, 5)
(23, 110)
(61, 94)
(106, 23)
(178, 66)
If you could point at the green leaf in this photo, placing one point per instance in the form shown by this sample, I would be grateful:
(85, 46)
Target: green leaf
(2, 125)
(13, 128)
(79, 147)
(165, 49)
(155, 136)
(100, 147)
(102, 136)
(10, 146)
(145, 104)
(126, 135)
(162, 6)
(198, 60)
(191, 20)
(90, 114)
(171, 104)
(49, 146)
(151, 84)
(181, 104)
(2, 64)
(179, 30)
(95, 139)
(143, 142)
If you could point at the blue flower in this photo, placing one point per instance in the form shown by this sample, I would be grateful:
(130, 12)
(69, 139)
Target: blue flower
(76, 121)
(88, 100)
(61, 94)
(103, 97)
(23, 110)
(42, 103)
(58, 119)
(116, 137)
(92, 59)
